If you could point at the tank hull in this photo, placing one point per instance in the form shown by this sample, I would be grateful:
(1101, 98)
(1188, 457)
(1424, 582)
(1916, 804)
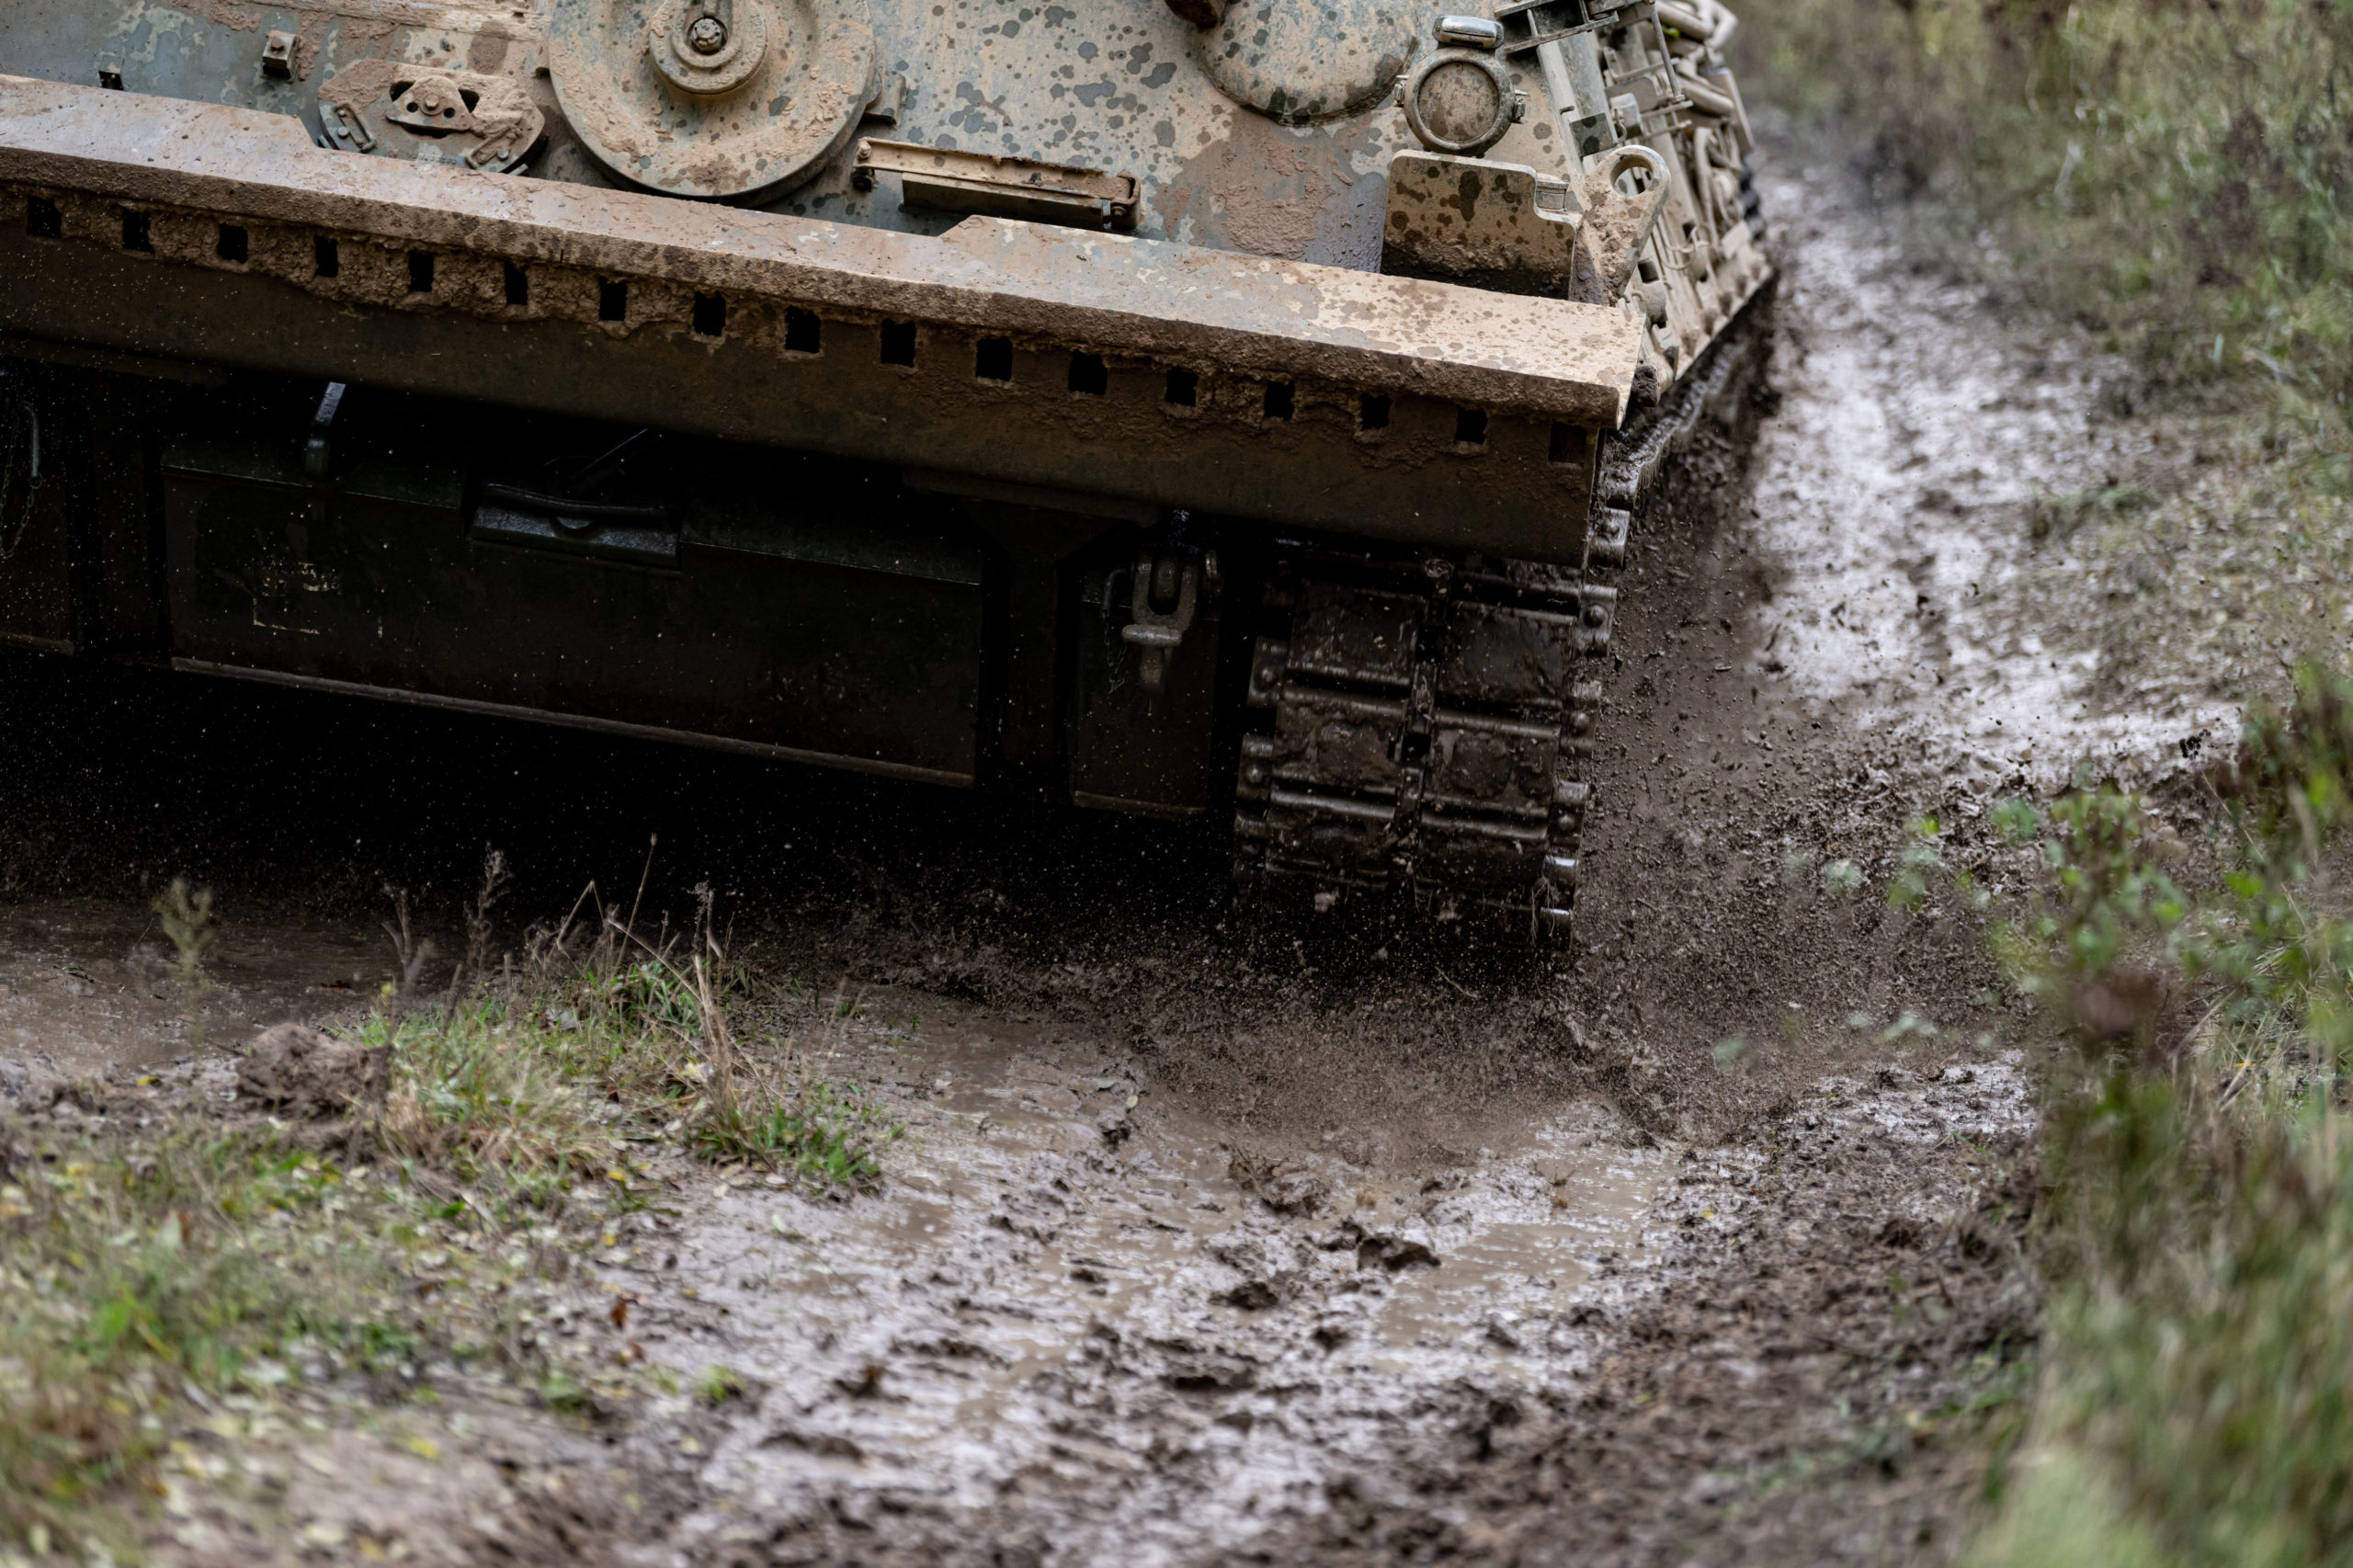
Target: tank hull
(969, 467)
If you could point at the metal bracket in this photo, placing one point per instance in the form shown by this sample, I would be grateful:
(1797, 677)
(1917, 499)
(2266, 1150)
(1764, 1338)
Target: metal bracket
(347, 126)
(1169, 579)
(889, 101)
(1615, 225)
(318, 451)
(958, 181)
(431, 116)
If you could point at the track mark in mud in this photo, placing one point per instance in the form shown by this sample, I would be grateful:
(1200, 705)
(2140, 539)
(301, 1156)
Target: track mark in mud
(1103, 1326)
(1894, 489)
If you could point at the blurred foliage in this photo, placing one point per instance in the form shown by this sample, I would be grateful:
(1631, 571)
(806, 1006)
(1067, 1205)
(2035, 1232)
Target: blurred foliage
(131, 1274)
(2198, 1150)
(2166, 171)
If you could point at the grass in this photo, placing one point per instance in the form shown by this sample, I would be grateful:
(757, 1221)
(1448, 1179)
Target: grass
(155, 1264)
(2167, 172)
(141, 1274)
(2198, 1147)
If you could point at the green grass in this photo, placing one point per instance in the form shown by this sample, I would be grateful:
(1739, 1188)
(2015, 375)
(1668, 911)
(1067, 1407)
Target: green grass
(144, 1271)
(134, 1272)
(2198, 1147)
(820, 1136)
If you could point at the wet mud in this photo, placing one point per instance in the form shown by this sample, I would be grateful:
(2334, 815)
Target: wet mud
(1216, 1239)
(1099, 1331)
(91, 983)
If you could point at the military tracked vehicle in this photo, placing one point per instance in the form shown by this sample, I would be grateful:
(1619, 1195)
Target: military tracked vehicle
(1186, 407)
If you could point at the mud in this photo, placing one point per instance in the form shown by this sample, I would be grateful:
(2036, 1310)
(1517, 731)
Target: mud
(303, 1072)
(88, 982)
(1068, 1329)
(1222, 1241)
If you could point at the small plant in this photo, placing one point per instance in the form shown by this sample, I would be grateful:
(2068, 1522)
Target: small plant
(718, 1384)
(1918, 867)
(186, 914)
(819, 1135)
(410, 953)
(494, 880)
(1842, 879)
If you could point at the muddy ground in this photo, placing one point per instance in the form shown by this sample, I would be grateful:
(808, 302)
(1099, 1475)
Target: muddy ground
(1216, 1239)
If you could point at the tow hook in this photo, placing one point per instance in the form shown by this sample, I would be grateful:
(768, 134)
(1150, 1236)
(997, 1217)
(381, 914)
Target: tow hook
(1166, 588)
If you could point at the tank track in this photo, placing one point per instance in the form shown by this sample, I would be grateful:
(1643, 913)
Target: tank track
(1419, 727)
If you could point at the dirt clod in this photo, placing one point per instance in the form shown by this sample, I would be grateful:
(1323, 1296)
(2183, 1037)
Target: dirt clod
(296, 1069)
(1283, 1186)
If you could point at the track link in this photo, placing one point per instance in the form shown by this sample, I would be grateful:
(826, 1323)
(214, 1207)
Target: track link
(1419, 730)
(1420, 727)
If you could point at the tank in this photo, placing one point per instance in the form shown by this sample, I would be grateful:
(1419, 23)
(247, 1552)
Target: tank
(1216, 409)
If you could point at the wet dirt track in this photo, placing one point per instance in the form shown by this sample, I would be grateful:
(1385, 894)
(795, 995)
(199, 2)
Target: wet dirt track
(1397, 1254)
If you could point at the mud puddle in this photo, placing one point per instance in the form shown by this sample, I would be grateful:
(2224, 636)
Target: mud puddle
(1084, 1324)
(1896, 495)
(86, 983)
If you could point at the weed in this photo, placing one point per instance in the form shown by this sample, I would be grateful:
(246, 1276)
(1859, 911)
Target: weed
(410, 953)
(494, 879)
(1842, 879)
(1918, 867)
(186, 914)
(187, 918)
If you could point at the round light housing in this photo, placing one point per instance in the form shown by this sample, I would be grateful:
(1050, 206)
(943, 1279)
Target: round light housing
(1460, 101)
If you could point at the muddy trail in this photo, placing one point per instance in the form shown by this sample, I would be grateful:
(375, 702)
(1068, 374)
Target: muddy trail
(1220, 1238)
